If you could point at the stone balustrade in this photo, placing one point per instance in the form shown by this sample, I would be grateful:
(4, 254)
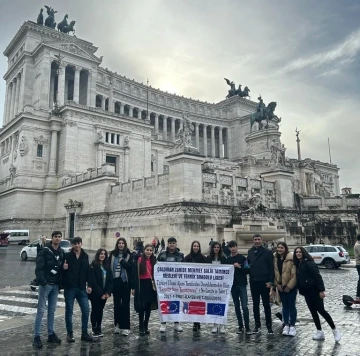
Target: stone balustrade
(341, 203)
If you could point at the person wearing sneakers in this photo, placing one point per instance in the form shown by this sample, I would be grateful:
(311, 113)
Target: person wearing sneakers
(238, 289)
(357, 261)
(75, 279)
(311, 286)
(261, 262)
(101, 283)
(285, 283)
(216, 256)
(171, 254)
(47, 271)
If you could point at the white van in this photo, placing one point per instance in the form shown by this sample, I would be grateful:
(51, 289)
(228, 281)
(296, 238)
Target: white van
(22, 237)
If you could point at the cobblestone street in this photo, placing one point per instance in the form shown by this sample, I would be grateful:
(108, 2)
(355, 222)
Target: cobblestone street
(18, 340)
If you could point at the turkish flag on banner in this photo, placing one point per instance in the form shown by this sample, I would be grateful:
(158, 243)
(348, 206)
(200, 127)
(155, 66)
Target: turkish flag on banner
(169, 307)
(197, 308)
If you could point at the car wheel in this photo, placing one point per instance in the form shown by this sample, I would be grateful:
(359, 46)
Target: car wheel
(23, 242)
(24, 256)
(329, 264)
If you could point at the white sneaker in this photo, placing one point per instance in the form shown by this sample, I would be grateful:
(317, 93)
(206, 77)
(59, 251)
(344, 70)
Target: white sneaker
(319, 335)
(214, 330)
(337, 336)
(286, 330)
(177, 327)
(126, 332)
(117, 330)
(222, 329)
(292, 331)
(162, 328)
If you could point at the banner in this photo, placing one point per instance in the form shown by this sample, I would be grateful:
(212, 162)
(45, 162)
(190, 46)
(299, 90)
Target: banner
(193, 292)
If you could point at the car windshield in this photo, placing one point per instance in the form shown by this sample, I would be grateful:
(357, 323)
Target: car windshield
(65, 243)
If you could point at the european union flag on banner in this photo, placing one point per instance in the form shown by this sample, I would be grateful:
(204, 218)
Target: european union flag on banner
(216, 309)
(170, 307)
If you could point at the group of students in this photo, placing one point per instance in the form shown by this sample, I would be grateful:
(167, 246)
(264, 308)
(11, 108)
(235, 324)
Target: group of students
(121, 273)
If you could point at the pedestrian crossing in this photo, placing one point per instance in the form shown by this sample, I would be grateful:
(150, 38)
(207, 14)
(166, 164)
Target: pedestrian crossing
(20, 303)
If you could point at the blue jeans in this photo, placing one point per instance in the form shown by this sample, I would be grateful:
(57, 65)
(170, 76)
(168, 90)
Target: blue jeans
(81, 296)
(238, 294)
(47, 293)
(289, 311)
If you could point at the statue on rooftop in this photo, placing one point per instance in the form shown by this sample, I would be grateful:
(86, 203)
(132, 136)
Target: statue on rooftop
(233, 91)
(50, 20)
(40, 18)
(263, 112)
(62, 24)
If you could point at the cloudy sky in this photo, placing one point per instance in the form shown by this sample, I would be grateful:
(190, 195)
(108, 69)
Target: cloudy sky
(303, 54)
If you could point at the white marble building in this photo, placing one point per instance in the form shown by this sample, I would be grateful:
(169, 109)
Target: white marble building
(104, 163)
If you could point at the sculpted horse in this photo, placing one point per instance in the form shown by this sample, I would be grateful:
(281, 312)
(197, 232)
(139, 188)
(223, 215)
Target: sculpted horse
(70, 28)
(243, 93)
(268, 115)
(62, 24)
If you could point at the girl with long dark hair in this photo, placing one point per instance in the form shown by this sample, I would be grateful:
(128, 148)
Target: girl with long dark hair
(101, 283)
(195, 256)
(216, 256)
(142, 287)
(285, 283)
(311, 286)
(121, 267)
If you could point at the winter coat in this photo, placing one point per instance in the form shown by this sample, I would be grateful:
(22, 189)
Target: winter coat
(308, 277)
(126, 263)
(70, 277)
(96, 281)
(288, 275)
(261, 265)
(195, 258)
(48, 261)
(209, 260)
(166, 256)
(357, 252)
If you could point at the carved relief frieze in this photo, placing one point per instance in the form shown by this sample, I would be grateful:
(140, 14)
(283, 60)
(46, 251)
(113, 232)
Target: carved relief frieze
(39, 165)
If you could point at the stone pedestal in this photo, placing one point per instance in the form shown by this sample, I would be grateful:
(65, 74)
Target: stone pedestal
(185, 176)
(283, 186)
(259, 143)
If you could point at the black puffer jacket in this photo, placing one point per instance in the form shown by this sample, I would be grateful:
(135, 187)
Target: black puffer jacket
(166, 256)
(261, 262)
(70, 277)
(308, 277)
(48, 265)
(195, 258)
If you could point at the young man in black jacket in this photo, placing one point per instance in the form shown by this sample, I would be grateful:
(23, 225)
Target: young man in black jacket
(261, 262)
(48, 265)
(75, 278)
(238, 289)
(171, 254)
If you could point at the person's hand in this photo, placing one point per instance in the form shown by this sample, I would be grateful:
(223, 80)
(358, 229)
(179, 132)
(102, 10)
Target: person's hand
(322, 295)
(279, 288)
(268, 285)
(65, 265)
(103, 297)
(107, 296)
(133, 292)
(237, 265)
(287, 290)
(88, 290)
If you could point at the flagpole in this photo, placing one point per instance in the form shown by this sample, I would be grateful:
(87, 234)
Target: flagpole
(329, 149)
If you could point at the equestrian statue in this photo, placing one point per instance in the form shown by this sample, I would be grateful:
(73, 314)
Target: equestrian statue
(262, 113)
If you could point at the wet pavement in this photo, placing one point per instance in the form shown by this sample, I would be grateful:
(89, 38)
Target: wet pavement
(17, 340)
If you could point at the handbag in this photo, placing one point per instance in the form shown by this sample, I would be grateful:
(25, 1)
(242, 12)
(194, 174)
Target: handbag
(275, 297)
(152, 281)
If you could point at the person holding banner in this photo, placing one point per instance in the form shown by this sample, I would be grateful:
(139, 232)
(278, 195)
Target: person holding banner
(171, 254)
(216, 256)
(261, 262)
(195, 256)
(238, 290)
(143, 287)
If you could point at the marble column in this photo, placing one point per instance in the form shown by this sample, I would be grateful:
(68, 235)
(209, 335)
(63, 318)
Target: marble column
(131, 111)
(126, 164)
(165, 128)
(17, 95)
(7, 104)
(77, 84)
(205, 139)
(12, 100)
(156, 124)
(139, 113)
(197, 139)
(61, 86)
(213, 141)
(111, 106)
(103, 102)
(88, 90)
(22, 90)
(221, 152)
(121, 108)
(227, 144)
(172, 129)
(53, 153)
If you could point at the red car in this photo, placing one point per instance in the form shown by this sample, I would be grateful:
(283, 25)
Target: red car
(4, 241)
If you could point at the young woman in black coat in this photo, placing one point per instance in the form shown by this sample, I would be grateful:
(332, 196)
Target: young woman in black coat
(311, 286)
(101, 283)
(195, 256)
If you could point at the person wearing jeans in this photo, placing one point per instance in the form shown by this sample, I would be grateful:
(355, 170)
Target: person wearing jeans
(357, 261)
(47, 271)
(75, 279)
(285, 283)
(261, 263)
(238, 290)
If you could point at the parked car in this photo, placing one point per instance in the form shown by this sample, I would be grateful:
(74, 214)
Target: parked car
(30, 251)
(328, 255)
(4, 240)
